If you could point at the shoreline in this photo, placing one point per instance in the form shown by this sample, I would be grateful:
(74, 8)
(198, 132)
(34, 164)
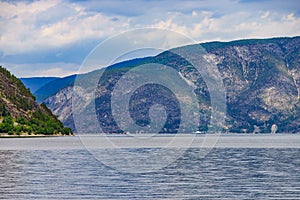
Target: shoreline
(102, 142)
(5, 135)
(31, 136)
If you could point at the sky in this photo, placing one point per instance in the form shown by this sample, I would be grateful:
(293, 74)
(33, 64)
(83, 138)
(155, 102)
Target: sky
(53, 37)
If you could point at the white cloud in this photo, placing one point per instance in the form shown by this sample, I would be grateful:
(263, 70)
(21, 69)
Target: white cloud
(58, 69)
(53, 25)
(265, 15)
(289, 17)
(233, 26)
(40, 25)
(20, 31)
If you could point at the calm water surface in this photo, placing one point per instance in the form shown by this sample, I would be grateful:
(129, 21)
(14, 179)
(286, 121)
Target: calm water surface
(61, 168)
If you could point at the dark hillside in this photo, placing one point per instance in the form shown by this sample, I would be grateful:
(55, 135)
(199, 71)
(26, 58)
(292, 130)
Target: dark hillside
(20, 114)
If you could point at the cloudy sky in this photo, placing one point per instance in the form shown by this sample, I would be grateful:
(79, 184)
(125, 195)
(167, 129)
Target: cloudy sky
(53, 37)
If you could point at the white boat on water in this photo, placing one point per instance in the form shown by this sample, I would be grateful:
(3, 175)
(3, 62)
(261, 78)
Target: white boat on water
(199, 132)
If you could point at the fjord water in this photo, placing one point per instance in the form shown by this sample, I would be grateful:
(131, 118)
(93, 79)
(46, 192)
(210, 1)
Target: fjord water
(238, 167)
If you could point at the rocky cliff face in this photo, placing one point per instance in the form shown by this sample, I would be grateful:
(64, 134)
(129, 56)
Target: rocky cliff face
(262, 82)
(261, 77)
(61, 106)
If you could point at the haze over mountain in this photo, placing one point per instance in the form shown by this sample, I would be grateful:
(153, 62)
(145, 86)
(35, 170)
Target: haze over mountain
(36, 83)
(261, 77)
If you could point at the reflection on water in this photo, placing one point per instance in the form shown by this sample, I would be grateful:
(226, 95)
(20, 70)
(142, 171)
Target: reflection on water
(226, 173)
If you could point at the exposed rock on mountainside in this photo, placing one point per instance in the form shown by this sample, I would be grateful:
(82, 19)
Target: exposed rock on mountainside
(20, 114)
(262, 82)
(261, 77)
(61, 106)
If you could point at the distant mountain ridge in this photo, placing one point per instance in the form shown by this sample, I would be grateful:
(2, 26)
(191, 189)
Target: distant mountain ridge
(35, 83)
(261, 77)
(53, 86)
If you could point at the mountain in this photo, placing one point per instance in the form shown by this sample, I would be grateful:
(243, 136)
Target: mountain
(34, 83)
(52, 87)
(261, 78)
(60, 97)
(20, 114)
(57, 84)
